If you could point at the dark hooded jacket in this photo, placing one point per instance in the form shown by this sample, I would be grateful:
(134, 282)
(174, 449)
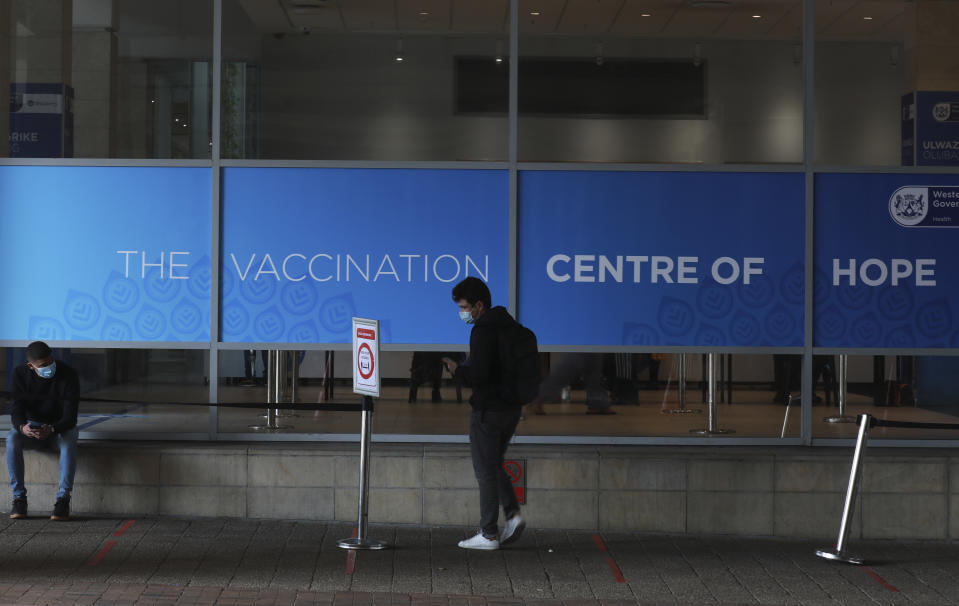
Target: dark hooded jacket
(484, 372)
(52, 401)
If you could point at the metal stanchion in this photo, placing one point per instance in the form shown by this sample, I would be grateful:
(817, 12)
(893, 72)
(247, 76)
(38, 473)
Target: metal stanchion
(361, 541)
(865, 421)
(286, 379)
(272, 393)
(842, 417)
(681, 391)
(789, 401)
(711, 428)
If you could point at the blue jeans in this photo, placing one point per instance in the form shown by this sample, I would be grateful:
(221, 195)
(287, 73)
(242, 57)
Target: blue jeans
(65, 442)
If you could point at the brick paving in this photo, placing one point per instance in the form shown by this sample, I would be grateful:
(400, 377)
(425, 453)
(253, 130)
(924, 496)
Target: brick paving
(175, 561)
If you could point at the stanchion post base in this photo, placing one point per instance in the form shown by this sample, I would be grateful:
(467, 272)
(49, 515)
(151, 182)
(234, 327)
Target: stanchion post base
(839, 557)
(708, 432)
(683, 411)
(838, 419)
(356, 543)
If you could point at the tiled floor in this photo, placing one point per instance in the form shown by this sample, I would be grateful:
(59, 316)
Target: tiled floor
(221, 561)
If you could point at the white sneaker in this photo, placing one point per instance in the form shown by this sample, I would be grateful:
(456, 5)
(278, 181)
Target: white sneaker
(479, 542)
(512, 530)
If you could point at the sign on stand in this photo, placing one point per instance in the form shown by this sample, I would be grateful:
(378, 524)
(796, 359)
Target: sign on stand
(366, 357)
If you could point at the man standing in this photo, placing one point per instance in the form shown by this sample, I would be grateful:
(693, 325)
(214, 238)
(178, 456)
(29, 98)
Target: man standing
(43, 415)
(495, 413)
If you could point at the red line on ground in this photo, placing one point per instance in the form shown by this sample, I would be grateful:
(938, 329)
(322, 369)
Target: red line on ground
(616, 571)
(102, 553)
(881, 580)
(599, 543)
(124, 528)
(351, 556)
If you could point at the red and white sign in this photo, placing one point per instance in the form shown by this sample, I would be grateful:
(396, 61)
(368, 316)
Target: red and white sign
(366, 357)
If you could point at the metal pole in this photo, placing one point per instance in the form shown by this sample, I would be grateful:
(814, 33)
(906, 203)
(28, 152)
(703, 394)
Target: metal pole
(711, 428)
(789, 401)
(865, 421)
(842, 417)
(681, 389)
(366, 432)
(272, 393)
(285, 380)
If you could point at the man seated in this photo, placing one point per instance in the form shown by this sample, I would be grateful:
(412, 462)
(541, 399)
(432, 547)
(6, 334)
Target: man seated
(43, 415)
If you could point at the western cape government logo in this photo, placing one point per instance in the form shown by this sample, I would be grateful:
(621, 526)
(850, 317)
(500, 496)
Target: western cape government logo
(909, 205)
(925, 206)
(946, 111)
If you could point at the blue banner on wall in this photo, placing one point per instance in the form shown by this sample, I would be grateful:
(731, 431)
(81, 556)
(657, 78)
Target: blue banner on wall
(105, 253)
(649, 259)
(937, 128)
(886, 263)
(41, 120)
(305, 250)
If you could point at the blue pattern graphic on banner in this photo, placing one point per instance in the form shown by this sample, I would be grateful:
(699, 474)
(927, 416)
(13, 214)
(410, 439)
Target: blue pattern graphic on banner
(648, 259)
(886, 277)
(105, 253)
(305, 250)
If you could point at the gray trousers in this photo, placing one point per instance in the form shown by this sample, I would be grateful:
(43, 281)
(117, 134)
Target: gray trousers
(490, 433)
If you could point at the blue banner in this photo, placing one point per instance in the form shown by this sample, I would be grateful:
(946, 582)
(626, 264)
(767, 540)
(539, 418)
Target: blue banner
(649, 259)
(41, 120)
(105, 253)
(937, 128)
(886, 268)
(305, 250)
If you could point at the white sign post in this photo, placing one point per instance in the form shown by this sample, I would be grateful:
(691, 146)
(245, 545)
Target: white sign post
(366, 382)
(366, 357)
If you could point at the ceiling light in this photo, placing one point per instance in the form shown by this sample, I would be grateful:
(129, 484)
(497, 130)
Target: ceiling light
(534, 13)
(757, 16)
(867, 18)
(645, 15)
(711, 4)
(424, 13)
(499, 51)
(399, 51)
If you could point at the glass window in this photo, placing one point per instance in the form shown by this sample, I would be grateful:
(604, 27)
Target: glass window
(862, 74)
(657, 394)
(897, 388)
(130, 392)
(123, 79)
(677, 82)
(362, 81)
(583, 394)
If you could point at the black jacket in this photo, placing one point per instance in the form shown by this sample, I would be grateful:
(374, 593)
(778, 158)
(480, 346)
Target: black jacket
(52, 401)
(484, 371)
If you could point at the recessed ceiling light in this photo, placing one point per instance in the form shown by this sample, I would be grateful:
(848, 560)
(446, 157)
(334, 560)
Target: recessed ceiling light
(424, 13)
(868, 18)
(645, 15)
(757, 16)
(534, 13)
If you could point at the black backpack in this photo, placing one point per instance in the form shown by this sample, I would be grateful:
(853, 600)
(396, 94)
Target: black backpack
(519, 359)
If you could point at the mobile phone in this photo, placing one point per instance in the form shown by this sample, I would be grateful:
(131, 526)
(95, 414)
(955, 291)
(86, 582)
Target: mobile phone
(35, 425)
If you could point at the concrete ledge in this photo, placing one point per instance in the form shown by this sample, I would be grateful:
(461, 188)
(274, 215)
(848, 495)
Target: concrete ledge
(789, 492)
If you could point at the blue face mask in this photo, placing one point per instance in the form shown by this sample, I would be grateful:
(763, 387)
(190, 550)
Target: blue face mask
(467, 317)
(47, 371)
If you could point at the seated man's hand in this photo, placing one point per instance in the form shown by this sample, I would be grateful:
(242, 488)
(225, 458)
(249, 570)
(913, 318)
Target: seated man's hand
(30, 432)
(450, 365)
(44, 432)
